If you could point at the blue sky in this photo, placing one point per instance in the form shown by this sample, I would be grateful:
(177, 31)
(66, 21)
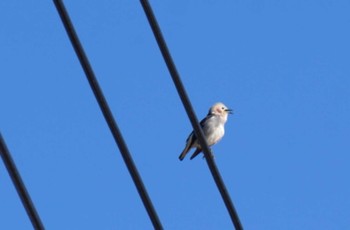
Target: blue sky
(283, 66)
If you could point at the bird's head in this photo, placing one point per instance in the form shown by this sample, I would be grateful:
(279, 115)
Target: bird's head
(221, 110)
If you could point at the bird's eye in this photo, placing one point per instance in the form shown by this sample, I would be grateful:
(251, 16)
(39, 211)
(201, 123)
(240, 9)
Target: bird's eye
(223, 108)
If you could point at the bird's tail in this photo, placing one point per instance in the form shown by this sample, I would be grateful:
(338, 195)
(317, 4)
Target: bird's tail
(184, 152)
(198, 151)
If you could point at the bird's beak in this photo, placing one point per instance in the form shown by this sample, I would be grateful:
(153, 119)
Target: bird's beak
(230, 111)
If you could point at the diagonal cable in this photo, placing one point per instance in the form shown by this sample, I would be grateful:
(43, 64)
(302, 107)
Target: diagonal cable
(108, 114)
(190, 112)
(20, 187)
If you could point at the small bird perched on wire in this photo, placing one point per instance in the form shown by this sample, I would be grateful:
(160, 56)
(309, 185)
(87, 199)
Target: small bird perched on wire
(213, 129)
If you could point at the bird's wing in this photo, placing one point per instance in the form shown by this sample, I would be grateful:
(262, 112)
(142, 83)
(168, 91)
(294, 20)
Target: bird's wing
(202, 123)
(192, 137)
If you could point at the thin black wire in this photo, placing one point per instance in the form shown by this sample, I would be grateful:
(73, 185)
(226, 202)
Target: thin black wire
(107, 114)
(20, 187)
(188, 107)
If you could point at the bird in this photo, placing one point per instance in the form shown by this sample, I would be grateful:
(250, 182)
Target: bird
(213, 129)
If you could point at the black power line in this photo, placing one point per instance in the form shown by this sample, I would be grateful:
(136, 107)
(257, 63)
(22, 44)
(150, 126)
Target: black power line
(188, 107)
(107, 114)
(20, 187)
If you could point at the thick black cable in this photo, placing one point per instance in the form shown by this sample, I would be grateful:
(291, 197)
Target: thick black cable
(20, 187)
(107, 114)
(190, 112)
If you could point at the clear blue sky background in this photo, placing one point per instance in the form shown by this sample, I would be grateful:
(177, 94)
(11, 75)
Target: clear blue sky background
(283, 66)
